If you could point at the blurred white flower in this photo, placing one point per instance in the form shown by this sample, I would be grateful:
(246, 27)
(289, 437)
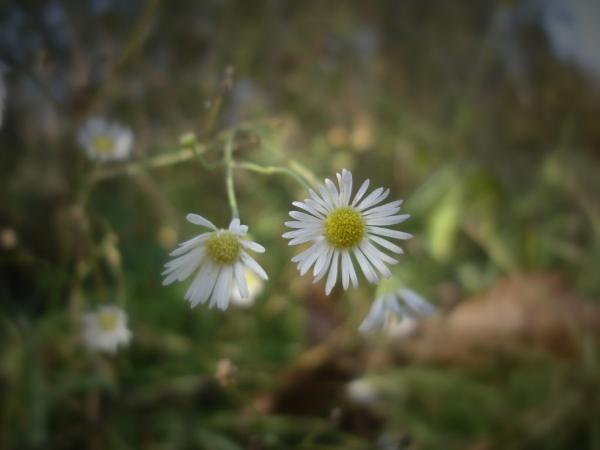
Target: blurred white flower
(105, 141)
(396, 313)
(220, 257)
(255, 287)
(339, 227)
(362, 391)
(105, 330)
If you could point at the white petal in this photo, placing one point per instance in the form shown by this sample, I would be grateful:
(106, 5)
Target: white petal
(387, 244)
(375, 318)
(332, 277)
(221, 294)
(351, 270)
(303, 239)
(181, 267)
(241, 280)
(302, 232)
(199, 280)
(374, 259)
(188, 245)
(309, 208)
(416, 302)
(320, 207)
(199, 220)
(250, 245)
(302, 226)
(361, 191)
(303, 217)
(234, 225)
(311, 256)
(253, 265)
(322, 264)
(327, 198)
(306, 253)
(203, 284)
(345, 269)
(323, 272)
(366, 246)
(206, 288)
(181, 273)
(391, 206)
(346, 182)
(386, 221)
(368, 271)
(389, 233)
(191, 256)
(375, 197)
(335, 195)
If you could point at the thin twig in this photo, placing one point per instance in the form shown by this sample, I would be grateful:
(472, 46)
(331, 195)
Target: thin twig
(270, 170)
(162, 160)
(229, 163)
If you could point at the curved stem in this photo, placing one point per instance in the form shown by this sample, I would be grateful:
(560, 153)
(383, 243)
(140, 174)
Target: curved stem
(304, 172)
(228, 160)
(163, 160)
(269, 170)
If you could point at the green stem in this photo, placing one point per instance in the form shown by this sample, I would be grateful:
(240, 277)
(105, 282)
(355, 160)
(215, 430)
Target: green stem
(228, 160)
(306, 173)
(270, 170)
(138, 35)
(213, 113)
(171, 158)
(158, 161)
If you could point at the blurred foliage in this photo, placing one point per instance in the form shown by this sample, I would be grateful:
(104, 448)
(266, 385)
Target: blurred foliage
(495, 152)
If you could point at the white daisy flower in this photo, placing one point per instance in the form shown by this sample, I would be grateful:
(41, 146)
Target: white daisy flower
(105, 141)
(220, 257)
(339, 226)
(396, 313)
(105, 329)
(255, 287)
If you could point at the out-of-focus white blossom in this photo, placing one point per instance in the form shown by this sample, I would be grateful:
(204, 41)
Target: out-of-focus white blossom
(105, 330)
(362, 392)
(396, 313)
(105, 141)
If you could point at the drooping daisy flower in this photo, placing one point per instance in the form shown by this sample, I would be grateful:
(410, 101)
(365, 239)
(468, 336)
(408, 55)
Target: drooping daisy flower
(396, 313)
(105, 141)
(255, 287)
(341, 227)
(105, 329)
(220, 257)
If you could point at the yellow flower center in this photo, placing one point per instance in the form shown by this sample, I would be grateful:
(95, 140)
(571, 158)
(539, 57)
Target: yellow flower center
(223, 248)
(103, 144)
(344, 228)
(108, 321)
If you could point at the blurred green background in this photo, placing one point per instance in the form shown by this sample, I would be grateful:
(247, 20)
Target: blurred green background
(482, 115)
